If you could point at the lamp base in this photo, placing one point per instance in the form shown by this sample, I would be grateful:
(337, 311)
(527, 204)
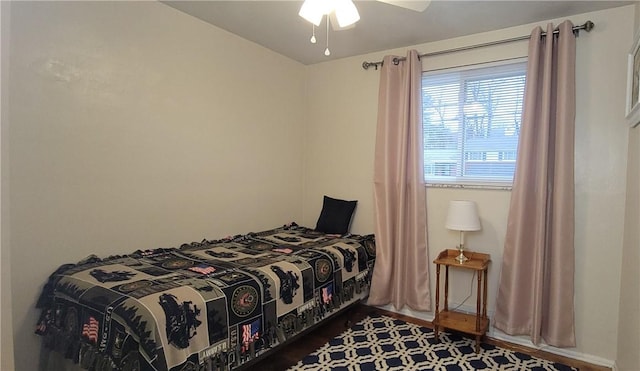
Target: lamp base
(461, 258)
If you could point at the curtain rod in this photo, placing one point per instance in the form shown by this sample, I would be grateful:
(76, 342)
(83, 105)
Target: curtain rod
(587, 26)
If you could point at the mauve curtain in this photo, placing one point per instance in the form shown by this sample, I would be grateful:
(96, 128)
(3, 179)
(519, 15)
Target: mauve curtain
(536, 289)
(401, 275)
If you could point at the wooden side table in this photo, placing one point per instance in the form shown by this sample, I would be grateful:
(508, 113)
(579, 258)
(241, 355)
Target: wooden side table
(474, 324)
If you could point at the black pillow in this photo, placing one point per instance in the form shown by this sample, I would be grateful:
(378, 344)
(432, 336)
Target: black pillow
(335, 216)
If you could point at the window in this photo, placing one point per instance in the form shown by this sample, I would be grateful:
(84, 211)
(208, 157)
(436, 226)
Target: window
(471, 122)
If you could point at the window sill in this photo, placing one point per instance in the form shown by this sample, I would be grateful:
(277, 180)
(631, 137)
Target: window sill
(499, 187)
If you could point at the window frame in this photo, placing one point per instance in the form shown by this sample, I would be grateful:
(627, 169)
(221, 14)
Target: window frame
(472, 183)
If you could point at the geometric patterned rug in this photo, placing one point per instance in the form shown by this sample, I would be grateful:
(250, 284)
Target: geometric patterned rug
(379, 342)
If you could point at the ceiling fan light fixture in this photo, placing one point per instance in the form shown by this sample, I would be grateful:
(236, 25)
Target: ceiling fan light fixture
(342, 12)
(314, 10)
(346, 12)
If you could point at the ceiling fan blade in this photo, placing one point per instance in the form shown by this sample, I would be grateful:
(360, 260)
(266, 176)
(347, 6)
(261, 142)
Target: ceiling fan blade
(416, 5)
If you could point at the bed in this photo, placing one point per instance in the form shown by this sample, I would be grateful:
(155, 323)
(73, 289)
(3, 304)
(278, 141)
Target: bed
(210, 305)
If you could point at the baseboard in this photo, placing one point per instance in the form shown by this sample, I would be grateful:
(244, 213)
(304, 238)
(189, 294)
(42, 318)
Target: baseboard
(584, 357)
(521, 341)
(425, 316)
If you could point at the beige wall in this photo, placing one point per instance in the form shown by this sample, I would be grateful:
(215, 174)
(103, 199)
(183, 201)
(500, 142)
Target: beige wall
(342, 109)
(6, 327)
(135, 126)
(125, 133)
(629, 317)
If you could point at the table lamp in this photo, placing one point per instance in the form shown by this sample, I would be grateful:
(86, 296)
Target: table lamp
(463, 217)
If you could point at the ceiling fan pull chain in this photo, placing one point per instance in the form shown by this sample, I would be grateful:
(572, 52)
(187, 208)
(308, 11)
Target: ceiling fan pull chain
(313, 33)
(326, 51)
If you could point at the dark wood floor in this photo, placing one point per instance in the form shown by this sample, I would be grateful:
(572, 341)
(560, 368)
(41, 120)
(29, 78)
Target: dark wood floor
(292, 353)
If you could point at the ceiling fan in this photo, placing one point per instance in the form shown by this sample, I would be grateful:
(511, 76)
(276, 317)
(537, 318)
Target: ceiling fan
(343, 14)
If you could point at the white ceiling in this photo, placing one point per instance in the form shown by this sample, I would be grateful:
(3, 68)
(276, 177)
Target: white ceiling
(277, 26)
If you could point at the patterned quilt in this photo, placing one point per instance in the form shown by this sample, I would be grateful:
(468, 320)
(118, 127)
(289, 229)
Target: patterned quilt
(212, 305)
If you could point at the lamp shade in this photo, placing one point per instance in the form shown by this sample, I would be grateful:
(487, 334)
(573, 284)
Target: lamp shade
(463, 216)
(314, 10)
(345, 11)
